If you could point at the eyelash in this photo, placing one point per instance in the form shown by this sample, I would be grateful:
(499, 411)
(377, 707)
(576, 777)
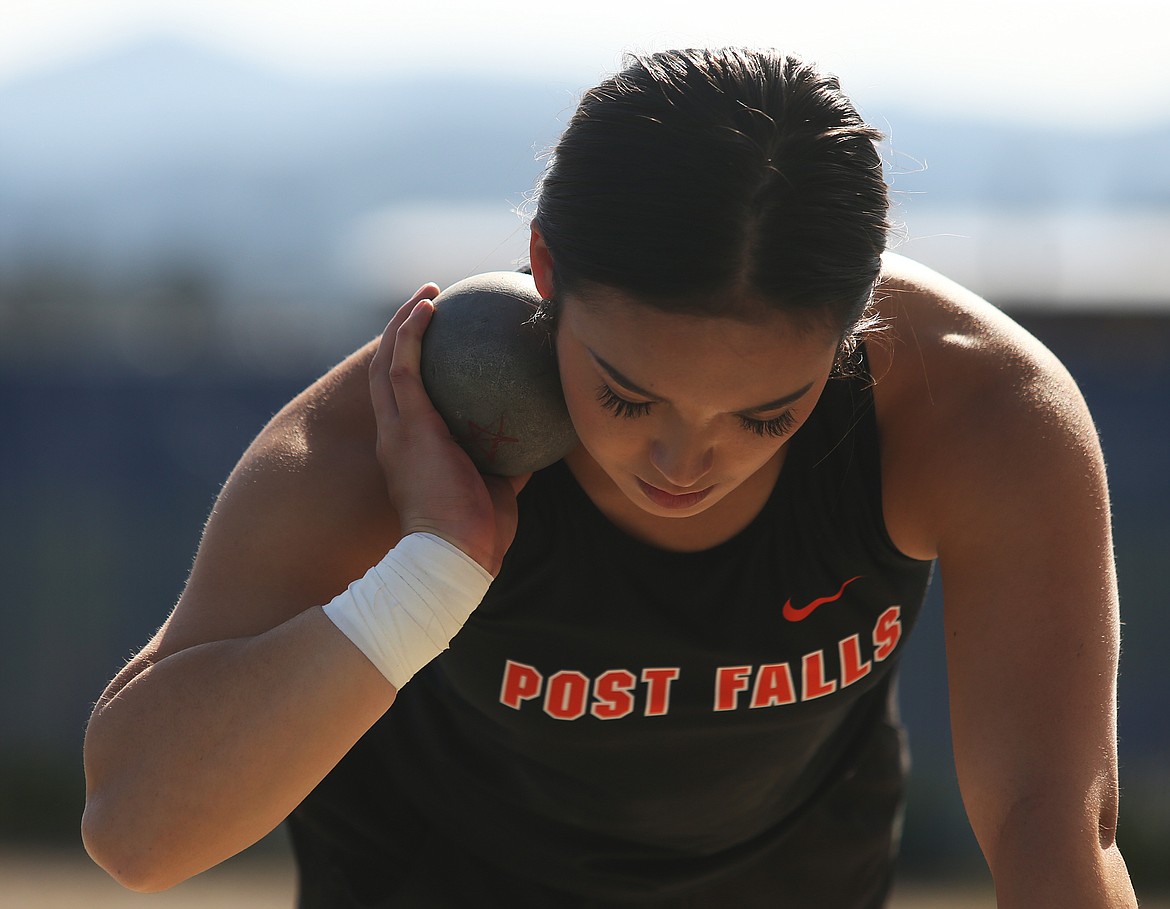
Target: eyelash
(776, 427)
(620, 407)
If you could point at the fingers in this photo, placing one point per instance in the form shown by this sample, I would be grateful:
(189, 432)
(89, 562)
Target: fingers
(381, 391)
(410, 397)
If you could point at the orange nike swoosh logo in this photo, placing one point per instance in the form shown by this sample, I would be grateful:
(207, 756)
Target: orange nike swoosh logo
(794, 614)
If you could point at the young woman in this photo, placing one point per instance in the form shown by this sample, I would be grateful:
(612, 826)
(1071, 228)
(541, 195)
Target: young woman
(660, 671)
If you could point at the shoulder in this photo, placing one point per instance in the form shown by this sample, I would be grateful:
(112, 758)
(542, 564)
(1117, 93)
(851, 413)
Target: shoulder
(973, 410)
(304, 512)
(948, 328)
(322, 433)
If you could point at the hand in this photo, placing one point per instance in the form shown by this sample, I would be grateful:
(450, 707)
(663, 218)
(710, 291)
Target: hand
(433, 484)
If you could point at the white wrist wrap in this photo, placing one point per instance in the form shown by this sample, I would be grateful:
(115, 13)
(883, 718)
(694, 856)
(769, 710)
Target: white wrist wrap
(405, 610)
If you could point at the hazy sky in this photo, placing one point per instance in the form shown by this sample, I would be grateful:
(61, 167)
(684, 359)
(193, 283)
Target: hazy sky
(1046, 60)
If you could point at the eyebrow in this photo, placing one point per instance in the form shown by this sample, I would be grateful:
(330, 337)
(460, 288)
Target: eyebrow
(782, 401)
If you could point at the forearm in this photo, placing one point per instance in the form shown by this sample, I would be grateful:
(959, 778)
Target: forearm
(205, 752)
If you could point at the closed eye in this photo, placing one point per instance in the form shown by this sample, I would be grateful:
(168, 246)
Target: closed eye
(774, 427)
(619, 406)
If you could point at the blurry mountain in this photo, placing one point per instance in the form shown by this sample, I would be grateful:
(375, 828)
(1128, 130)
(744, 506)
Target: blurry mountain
(169, 172)
(167, 149)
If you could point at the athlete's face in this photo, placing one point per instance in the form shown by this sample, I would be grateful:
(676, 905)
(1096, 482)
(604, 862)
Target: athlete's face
(679, 411)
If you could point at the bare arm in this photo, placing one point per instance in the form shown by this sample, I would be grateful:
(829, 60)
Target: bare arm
(1016, 507)
(249, 695)
(205, 751)
(1032, 643)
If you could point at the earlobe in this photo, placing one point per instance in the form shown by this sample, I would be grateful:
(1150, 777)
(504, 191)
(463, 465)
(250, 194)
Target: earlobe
(540, 259)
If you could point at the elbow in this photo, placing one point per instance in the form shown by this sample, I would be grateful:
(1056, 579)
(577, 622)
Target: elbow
(1046, 830)
(122, 855)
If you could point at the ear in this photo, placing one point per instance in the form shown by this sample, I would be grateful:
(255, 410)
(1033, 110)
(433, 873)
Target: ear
(540, 259)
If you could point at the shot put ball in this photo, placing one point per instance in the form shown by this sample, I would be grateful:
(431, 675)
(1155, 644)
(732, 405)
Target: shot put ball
(492, 375)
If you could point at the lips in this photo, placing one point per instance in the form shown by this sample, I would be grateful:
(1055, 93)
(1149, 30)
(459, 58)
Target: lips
(669, 500)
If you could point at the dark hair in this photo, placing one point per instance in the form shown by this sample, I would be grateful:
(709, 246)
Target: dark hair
(695, 179)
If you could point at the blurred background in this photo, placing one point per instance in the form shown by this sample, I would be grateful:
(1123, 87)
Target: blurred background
(205, 204)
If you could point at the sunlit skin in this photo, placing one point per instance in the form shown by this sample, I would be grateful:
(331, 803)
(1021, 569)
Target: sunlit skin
(683, 417)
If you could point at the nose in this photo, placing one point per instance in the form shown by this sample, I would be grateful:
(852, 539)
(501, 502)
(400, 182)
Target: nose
(683, 460)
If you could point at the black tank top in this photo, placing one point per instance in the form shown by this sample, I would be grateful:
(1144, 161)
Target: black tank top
(617, 720)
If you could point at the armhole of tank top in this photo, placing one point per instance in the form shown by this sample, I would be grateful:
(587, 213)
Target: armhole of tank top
(869, 437)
